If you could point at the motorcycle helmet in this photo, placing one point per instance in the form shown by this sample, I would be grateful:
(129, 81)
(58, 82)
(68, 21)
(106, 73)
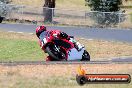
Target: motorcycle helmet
(63, 35)
(39, 30)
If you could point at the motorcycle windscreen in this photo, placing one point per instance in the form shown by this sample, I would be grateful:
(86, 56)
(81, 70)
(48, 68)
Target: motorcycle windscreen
(75, 55)
(43, 35)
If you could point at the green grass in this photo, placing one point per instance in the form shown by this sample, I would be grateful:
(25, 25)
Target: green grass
(14, 50)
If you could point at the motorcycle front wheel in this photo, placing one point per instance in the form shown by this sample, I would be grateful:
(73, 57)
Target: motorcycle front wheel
(85, 56)
(56, 52)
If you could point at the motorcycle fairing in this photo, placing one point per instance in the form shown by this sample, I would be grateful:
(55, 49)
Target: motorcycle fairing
(75, 55)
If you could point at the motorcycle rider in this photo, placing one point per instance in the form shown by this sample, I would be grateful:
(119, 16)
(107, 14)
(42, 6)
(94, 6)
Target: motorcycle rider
(41, 32)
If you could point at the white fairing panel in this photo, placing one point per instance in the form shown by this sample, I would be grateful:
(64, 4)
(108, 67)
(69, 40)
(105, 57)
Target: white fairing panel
(74, 55)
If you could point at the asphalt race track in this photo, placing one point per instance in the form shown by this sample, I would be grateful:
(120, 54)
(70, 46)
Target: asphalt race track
(123, 35)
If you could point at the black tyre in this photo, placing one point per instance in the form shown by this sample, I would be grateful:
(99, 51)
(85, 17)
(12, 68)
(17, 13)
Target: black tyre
(56, 52)
(81, 80)
(85, 56)
(1, 19)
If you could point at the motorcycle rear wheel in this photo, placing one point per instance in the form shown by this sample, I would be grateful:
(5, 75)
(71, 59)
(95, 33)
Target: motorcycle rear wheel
(56, 55)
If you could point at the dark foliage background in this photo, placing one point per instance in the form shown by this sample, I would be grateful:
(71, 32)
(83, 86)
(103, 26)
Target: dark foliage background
(106, 12)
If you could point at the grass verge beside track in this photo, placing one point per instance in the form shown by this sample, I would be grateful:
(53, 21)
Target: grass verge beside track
(24, 47)
(60, 4)
(19, 47)
(54, 76)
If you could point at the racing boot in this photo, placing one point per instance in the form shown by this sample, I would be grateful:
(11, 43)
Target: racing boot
(77, 45)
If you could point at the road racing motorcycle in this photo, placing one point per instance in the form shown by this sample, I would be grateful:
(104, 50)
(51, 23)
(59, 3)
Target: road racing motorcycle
(63, 49)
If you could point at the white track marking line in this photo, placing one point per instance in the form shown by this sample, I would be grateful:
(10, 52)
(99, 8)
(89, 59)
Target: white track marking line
(10, 31)
(31, 33)
(20, 32)
(90, 39)
(86, 39)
